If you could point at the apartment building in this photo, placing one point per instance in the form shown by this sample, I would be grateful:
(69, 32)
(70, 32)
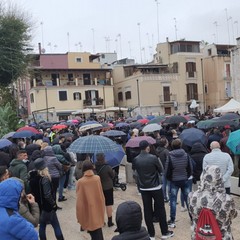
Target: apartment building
(167, 86)
(217, 75)
(64, 83)
(235, 57)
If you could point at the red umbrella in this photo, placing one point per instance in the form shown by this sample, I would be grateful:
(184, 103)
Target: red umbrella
(143, 121)
(59, 127)
(27, 128)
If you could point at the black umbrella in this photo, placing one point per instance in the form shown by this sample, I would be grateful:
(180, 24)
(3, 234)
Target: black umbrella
(175, 119)
(230, 116)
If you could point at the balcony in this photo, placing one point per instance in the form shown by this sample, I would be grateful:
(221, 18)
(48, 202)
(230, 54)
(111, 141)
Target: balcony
(93, 102)
(167, 99)
(197, 97)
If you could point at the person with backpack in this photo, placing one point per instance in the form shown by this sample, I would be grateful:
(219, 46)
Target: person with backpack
(212, 210)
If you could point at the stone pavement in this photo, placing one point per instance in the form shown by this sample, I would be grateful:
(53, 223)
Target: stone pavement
(71, 229)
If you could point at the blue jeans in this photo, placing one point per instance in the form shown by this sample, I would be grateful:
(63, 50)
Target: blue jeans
(62, 180)
(46, 218)
(174, 187)
(182, 196)
(165, 187)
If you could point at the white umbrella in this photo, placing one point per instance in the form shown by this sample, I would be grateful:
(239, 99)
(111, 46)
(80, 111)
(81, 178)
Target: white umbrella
(115, 109)
(90, 126)
(152, 127)
(91, 110)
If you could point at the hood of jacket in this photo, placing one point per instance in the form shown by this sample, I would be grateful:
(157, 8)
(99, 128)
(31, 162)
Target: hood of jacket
(177, 152)
(129, 217)
(16, 162)
(10, 191)
(198, 147)
(57, 149)
(36, 154)
(48, 151)
(211, 180)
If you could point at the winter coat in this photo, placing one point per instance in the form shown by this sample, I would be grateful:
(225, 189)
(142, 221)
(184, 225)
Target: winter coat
(90, 203)
(12, 225)
(129, 222)
(132, 153)
(178, 166)
(162, 153)
(19, 169)
(78, 170)
(54, 166)
(35, 155)
(211, 194)
(30, 212)
(197, 153)
(31, 148)
(106, 175)
(63, 157)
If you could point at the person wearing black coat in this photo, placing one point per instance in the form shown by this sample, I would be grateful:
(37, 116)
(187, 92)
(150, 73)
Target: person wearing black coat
(4, 159)
(129, 222)
(197, 153)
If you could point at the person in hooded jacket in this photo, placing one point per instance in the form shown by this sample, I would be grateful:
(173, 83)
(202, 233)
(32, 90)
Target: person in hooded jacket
(129, 222)
(197, 153)
(211, 194)
(12, 225)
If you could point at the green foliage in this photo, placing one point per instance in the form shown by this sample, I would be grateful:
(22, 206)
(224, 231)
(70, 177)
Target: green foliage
(7, 96)
(8, 119)
(14, 43)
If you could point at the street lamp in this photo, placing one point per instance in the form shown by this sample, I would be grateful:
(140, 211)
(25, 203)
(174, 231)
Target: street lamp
(140, 44)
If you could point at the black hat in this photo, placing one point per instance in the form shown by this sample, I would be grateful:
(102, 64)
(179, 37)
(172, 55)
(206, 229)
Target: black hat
(40, 164)
(143, 144)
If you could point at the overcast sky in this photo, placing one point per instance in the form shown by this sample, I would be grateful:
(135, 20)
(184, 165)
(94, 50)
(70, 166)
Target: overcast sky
(126, 26)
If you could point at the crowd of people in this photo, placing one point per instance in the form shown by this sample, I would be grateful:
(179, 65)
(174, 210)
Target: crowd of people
(37, 170)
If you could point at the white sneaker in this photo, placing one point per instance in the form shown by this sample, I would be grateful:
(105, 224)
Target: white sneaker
(152, 238)
(169, 234)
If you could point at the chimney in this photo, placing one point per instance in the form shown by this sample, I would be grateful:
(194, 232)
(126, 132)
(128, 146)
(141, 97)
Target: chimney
(39, 48)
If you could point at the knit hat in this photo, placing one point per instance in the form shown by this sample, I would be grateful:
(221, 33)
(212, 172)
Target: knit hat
(40, 164)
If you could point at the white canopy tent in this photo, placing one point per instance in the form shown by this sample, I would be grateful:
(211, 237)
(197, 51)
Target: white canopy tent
(231, 106)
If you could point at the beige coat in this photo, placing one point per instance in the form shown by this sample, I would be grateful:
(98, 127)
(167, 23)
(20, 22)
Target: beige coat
(90, 203)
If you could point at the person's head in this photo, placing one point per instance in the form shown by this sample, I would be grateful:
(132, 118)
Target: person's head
(44, 145)
(176, 144)
(162, 142)
(4, 174)
(22, 155)
(10, 192)
(100, 157)
(41, 166)
(136, 132)
(214, 145)
(211, 179)
(128, 217)
(61, 139)
(144, 145)
(39, 142)
(87, 165)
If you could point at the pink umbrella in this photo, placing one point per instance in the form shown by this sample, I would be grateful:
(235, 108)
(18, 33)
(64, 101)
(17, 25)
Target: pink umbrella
(134, 142)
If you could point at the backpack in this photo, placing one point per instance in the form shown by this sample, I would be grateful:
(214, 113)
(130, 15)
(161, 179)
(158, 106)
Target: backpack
(207, 226)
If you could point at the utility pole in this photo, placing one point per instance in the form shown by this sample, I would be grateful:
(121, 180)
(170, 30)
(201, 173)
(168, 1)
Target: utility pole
(140, 44)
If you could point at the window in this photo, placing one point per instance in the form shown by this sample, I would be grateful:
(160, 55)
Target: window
(77, 96)
(209, 52)
(228, 90)
(128, 95)
(192, 91)
(120, 96)
(206, 88)
(70, 77)
(166, 94)
(32, 98)
(228, 71)
(78, 60)
(62, 95)
(190, 69)
(175, 67)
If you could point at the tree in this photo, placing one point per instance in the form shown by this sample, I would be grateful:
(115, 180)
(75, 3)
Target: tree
(15, 28)
(8, 119)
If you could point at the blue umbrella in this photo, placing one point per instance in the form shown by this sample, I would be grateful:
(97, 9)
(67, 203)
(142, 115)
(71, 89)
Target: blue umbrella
(121, 124)
(4, 143)
(233, 142)
(113, 158)
(150, 117)
(192, 135)
(93, 144)
(113, 133)
(8, 135)
(23, 134)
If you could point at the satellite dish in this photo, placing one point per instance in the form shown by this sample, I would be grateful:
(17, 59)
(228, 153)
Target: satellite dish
(43, 50)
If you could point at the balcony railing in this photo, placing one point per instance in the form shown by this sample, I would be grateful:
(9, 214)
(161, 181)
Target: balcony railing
(167, 98)
(93, 102)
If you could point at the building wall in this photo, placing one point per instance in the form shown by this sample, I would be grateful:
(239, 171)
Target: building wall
(53, 61)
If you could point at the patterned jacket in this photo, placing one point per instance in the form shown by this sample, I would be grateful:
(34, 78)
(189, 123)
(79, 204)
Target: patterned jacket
(211, 194)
